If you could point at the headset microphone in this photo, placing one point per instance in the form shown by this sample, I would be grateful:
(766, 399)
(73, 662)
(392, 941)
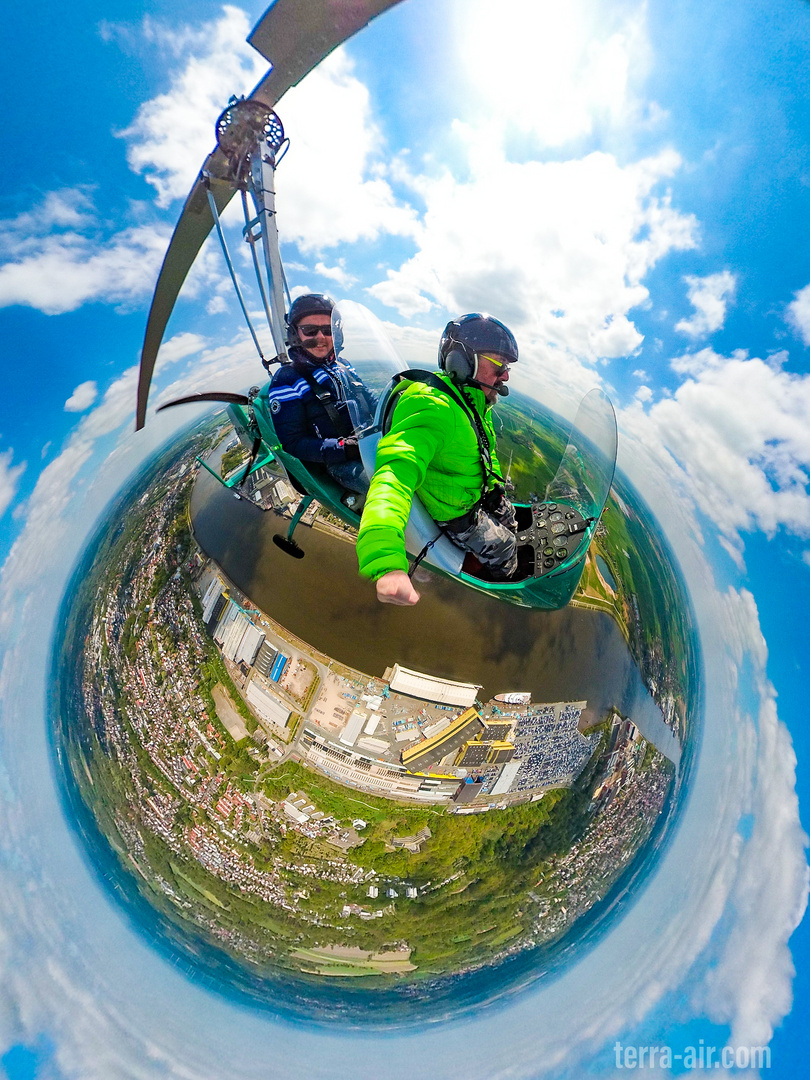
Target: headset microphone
(500, 388)
(470, 336)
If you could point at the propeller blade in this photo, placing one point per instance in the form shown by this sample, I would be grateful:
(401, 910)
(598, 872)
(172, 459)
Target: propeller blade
(294, 35)
(214, 395)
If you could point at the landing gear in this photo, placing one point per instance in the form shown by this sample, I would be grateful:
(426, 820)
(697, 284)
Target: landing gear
(287, 543)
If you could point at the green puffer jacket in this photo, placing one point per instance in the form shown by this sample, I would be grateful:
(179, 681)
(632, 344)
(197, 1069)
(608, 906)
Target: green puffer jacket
(431, 449)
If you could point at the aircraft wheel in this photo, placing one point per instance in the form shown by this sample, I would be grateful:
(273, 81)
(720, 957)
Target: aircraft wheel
(289, 546)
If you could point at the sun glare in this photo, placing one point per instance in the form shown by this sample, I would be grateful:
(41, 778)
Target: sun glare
(549, 67)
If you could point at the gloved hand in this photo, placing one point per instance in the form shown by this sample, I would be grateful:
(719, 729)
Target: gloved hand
(494, 499)
(351, 449)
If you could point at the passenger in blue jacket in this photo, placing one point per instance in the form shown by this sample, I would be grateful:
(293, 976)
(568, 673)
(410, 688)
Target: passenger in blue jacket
(315, 399)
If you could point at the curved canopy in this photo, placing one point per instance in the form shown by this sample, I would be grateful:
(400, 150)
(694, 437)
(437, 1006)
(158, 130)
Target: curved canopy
(585, 473)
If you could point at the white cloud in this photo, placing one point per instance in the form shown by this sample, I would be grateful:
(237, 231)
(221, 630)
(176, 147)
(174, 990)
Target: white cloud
(172, 134)
(82, 397)
(230, 367)
(749, 983)
(181, 346)
(321, 202)
(68, 208)
(62, 255)
(400, 292)
(216, 305)
(338, 273)
(710, 297)
(738, 429)
(9, 478)
(722, 426)
(563, 247)
(50, 504)
(734, 444)
(58, 257)
(567, 69)
(39, 542)
(44, 509)
(798, 311)
(559, 249)
(735, 957)
(115, 408)
(326, 197)
(417, 347)
(556, 249)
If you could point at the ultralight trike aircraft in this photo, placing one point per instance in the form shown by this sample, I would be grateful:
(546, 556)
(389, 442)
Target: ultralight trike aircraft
(554, 532)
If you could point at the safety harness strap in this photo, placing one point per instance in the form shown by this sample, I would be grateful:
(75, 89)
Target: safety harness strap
(429, 378)
(326, 400)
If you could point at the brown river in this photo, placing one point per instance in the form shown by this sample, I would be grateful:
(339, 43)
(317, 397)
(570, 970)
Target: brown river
(453, 632)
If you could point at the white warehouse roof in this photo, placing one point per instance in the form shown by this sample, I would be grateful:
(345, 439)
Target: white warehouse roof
(431, 688)
(250, 645)
(266, 705)
(212, 594)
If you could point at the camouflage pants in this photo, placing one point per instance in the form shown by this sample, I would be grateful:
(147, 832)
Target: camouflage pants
(489, 535)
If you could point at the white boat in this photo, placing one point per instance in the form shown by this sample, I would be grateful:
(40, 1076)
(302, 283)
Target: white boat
(514, 699)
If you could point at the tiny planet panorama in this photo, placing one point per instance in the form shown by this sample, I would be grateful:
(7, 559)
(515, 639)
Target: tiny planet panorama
(377, 846)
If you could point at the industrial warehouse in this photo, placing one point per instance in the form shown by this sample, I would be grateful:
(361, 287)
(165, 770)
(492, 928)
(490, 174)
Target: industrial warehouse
(409, 735)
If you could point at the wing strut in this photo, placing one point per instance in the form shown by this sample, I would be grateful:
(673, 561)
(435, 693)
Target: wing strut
(234, 279)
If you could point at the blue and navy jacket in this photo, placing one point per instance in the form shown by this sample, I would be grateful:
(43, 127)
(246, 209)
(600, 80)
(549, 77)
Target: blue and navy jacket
(302, 424)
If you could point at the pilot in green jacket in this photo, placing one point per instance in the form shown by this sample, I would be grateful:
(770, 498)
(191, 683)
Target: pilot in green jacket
(441, 446)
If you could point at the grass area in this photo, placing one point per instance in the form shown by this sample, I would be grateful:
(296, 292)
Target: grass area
(232, 459)
(474, 873)
(346, 971)
(592, 593)
(532, 444)
(178, 873)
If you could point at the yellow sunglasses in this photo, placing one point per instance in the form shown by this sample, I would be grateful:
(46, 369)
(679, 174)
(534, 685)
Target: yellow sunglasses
(494, 360)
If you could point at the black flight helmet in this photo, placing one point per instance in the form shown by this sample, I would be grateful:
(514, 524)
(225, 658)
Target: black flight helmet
(308, 304)
(464, 338)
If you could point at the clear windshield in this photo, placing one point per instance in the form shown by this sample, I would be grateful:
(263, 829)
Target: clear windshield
(585, 473)
(365, 359)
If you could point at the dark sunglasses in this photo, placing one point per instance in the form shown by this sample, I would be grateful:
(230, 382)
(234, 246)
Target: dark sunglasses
(313, 331)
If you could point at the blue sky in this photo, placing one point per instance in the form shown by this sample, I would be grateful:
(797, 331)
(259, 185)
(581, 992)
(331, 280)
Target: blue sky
(627, 185)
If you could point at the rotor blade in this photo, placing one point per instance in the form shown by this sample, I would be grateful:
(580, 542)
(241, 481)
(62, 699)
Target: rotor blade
(192, 399)
(189, 236)
(294, 35)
